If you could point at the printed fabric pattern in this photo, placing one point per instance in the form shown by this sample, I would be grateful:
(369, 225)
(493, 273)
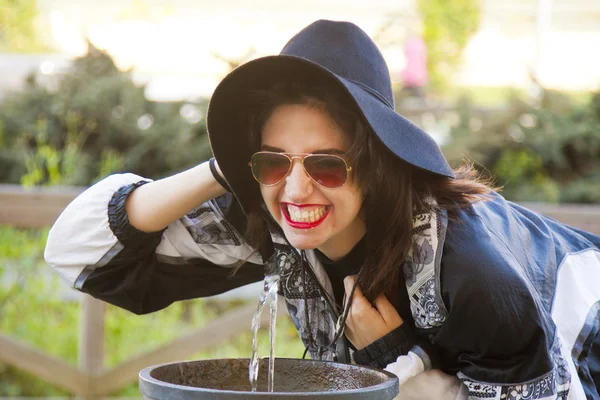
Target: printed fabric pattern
(313, 316)
(207, 225)
(305, 299)
(420, 271)
(553, 385)
(545, 388)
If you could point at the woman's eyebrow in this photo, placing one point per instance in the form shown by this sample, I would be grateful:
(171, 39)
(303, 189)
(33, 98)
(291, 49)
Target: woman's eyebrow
(265, 147)
(329, 151)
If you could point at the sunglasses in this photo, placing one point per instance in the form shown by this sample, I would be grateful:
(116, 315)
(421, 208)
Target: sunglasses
(327, 170)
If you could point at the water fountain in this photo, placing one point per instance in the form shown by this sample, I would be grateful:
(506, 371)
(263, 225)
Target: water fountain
(227, 379)
(254, 378)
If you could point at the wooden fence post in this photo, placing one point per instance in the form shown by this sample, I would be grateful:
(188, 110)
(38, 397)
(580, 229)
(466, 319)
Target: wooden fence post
(91, 345)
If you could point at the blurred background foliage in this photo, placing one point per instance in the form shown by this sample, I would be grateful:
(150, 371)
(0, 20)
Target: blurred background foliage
(96, 121)
(547, 149)
(93, 120)
(20, 29)
(447, 28)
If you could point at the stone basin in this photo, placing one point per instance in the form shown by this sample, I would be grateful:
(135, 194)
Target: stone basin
(222, 379)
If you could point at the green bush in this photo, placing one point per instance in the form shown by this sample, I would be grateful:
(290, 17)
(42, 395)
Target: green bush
(547, 150)
(33, 310)
(96, 120)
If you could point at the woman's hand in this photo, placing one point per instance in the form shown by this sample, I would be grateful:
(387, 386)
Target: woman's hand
(365, 323)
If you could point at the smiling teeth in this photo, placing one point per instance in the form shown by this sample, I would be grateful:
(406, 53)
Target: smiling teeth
(305, 214)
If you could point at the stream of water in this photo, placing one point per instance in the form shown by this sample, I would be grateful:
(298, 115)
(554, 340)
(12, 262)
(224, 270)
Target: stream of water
(269, 293)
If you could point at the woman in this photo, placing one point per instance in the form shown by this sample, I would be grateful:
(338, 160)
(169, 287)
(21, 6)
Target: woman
(387, 257)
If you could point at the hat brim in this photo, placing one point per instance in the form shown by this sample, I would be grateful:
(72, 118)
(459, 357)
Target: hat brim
(227, 120)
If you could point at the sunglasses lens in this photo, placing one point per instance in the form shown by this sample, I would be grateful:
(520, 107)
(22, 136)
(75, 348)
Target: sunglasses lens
(269, 168)
(326, 170)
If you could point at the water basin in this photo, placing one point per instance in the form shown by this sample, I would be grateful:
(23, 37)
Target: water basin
(221, 379)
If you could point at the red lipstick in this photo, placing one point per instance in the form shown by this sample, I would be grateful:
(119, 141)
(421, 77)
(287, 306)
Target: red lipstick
(302, 225)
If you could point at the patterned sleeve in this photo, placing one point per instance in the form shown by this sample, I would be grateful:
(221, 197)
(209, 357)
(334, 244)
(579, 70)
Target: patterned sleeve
(95, 248)
(499, 339)
(495, 351)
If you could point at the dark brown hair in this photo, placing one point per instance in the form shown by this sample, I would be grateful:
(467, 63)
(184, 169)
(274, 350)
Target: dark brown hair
(395, 191)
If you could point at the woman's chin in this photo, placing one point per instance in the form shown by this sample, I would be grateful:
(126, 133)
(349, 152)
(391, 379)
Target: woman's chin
(301, 240)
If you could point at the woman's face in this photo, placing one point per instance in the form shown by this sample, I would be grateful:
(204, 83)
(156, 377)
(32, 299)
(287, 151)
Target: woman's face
(304, 129)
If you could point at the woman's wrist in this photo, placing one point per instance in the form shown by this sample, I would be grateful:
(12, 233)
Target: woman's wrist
(387, 349)
(152, 207)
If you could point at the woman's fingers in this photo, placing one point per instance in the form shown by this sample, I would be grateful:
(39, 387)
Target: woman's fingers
(367, 322)
(359, 301)
(388, 311)
(349, 282)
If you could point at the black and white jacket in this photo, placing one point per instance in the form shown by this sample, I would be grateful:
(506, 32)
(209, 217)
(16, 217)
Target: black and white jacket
(505, 302)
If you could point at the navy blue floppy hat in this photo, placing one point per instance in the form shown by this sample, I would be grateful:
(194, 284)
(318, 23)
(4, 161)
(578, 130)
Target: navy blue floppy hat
(339, 53)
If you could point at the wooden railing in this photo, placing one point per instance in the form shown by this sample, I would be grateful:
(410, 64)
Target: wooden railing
(40, 207)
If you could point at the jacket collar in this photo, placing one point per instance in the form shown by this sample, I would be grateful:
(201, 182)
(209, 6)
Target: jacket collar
(309, 295)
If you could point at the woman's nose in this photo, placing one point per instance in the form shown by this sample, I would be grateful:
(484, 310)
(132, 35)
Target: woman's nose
(298, 184)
